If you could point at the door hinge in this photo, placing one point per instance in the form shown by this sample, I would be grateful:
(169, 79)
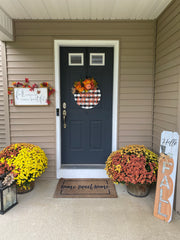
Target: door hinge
(57, 112)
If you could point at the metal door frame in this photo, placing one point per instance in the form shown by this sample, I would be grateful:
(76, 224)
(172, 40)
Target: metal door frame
(84, 172)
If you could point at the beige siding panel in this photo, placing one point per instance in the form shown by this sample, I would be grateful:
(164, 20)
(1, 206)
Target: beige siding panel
(35, 78)
(32, 139)
(167, 88)
(169, 50)
(14, 109)
(29, 58)
(136, 108)
(135, 78)
(31, 45)
(30, 65)
(164, 124)
(133, 103)
(136, 52)
(32, 55)
(165, 110)
(137, 45)
(166, 58)
(169, 30)
(162, 45)
(92, 28)
(26, 52)
(30, 115)
(138, 96)
(168, 72)
(143, 39)
(31, 133)
(27, 71)
(130, 84)
(165, 117)
(167, 80)
(171, 12)
(24, 121)
(134, 133)
(30, 127)
(169, 64)
(166, 103)
(132, 127)
(167, 76)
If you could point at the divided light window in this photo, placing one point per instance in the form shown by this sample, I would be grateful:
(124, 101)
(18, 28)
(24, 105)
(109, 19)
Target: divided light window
(97, 59)
(76, 59)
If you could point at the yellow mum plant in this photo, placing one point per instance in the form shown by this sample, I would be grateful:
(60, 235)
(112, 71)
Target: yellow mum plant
(28, 161)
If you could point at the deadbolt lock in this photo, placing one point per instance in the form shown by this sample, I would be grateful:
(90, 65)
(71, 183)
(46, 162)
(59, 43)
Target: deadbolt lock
(64, 105)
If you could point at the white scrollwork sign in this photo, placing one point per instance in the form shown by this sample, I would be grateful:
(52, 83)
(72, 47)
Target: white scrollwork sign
(25, 97)
(163, 207)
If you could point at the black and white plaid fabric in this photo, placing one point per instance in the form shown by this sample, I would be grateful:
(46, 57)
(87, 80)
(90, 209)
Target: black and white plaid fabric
(88, 100)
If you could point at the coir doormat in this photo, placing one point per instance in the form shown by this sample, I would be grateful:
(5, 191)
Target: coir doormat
(85, 188)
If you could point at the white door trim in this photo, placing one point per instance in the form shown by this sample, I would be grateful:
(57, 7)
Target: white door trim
(84, 173)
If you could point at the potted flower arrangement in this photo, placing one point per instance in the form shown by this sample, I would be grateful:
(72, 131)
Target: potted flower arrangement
(28, 162)
(133, 165)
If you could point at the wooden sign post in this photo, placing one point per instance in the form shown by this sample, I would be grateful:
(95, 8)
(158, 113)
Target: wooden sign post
(163, 207)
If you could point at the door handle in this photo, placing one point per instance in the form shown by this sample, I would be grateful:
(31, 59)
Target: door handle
(64, 118)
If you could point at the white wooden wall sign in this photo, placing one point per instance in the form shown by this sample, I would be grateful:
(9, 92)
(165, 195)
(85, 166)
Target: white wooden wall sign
(25, 97)
(163, 207)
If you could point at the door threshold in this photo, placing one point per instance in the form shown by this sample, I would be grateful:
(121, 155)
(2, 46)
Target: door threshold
(74, 171)
(83, 166)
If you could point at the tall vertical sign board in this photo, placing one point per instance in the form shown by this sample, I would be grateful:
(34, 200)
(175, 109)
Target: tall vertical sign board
(163, 207)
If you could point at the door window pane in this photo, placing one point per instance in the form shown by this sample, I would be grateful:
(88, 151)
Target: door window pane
(97, 59)
(76, 59)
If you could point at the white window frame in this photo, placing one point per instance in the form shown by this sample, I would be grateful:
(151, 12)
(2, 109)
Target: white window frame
(76, 54)
(84, 172)
(97, 64)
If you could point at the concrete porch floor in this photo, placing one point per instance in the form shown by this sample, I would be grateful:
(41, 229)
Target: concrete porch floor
(40, 216)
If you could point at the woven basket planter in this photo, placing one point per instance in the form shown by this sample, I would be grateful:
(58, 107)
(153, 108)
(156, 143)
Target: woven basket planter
(21, 190)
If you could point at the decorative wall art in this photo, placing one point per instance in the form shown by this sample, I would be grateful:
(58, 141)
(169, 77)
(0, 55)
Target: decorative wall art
(24, 97)
(86, 93)
(165, 187)
(31, 95)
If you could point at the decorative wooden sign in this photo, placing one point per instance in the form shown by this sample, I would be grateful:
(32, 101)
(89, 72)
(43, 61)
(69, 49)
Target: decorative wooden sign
(163, 207)
(25, 97)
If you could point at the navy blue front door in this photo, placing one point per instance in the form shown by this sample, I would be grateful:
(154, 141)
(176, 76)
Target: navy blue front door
(86, 133)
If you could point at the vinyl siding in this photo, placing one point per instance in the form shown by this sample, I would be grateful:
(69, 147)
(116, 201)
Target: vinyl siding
(166, 101)
(32, 55)
(167, 80)
(4, 114)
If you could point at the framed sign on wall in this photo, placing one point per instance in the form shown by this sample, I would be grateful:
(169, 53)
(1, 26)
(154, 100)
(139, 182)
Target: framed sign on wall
(27, 97)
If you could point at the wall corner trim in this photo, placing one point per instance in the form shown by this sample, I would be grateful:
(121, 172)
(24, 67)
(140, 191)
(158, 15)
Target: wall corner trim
(6, 101)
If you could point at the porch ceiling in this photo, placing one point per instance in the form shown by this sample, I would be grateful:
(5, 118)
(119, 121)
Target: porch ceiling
(84, 9)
